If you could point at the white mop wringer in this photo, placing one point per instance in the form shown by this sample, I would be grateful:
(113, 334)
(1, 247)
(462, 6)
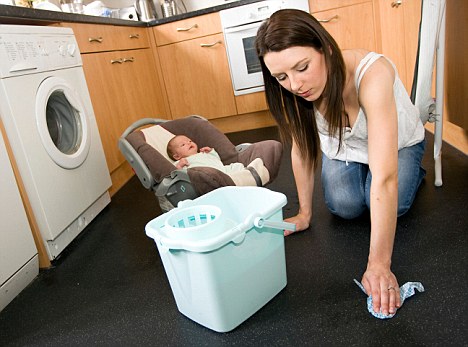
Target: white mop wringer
(223, 253)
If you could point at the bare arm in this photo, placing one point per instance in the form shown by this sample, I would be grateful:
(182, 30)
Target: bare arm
(377, 98)
(304, 178)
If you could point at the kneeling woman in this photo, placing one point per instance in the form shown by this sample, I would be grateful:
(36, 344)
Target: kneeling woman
(352, 108)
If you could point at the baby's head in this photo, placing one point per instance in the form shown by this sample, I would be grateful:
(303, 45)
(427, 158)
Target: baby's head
(180, 146)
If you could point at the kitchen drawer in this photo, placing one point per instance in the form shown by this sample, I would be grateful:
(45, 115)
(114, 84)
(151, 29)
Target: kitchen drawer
(101, 38)
(187, 29)
(323, 5)
(253, 102)
(351, 26)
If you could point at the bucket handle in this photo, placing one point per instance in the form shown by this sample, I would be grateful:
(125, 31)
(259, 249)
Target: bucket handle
(260, 222)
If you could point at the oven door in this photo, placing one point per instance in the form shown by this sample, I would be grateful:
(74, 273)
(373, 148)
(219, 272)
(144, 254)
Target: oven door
(246, 72)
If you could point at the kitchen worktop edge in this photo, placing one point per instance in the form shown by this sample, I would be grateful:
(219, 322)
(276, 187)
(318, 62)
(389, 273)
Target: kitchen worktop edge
(22, 15)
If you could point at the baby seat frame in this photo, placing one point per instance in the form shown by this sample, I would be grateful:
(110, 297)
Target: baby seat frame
(177, 185)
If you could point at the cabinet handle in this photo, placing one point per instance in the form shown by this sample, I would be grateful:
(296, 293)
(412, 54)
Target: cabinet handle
(397, 3)
(128, 60)
(328, 20)
(117, 61)
(95, 39)
(211, 44)
(187, 29)
(134, 36)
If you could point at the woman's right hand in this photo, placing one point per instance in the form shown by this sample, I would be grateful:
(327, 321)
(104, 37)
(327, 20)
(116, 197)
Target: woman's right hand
(302, 222)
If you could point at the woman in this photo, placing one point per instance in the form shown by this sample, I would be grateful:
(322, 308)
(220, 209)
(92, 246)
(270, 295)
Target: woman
(352, 108)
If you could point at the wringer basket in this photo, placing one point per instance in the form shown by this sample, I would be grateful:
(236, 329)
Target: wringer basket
(223, 253)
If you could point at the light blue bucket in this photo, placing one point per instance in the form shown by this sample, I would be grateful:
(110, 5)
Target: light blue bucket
(223, 253)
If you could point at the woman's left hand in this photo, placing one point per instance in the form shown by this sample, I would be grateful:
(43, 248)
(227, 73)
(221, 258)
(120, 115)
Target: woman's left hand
(381, 283)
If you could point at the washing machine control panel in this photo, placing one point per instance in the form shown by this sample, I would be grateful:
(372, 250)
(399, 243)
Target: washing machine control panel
(26, 53)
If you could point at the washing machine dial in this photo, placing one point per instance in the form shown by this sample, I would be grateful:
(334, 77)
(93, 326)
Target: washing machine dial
(71, 49)
(62, 50)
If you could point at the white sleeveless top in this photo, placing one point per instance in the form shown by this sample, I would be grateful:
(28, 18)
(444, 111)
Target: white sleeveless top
(355, 139)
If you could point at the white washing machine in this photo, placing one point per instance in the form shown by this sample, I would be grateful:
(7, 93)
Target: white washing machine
(49, 121)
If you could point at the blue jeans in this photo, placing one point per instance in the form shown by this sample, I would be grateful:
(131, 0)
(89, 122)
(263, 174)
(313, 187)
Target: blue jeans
(347, 187)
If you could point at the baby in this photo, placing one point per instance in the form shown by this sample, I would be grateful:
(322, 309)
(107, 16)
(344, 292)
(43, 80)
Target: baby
(187, 155)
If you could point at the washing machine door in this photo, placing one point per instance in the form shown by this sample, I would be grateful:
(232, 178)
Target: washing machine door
(62, 123)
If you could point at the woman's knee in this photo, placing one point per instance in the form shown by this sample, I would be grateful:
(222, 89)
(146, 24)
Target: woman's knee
(345, 205)
(343, 188)
(405, 201)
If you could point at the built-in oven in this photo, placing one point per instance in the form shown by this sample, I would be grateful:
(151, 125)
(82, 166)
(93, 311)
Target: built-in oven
(240, 25)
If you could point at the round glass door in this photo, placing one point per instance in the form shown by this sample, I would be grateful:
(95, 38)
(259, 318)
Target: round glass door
(62, 123)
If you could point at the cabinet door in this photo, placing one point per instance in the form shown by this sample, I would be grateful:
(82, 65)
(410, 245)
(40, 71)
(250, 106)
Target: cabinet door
(197, 78)
(351, 26)
(142, 86)
(124, 87)
(105, 88)
(399, 33)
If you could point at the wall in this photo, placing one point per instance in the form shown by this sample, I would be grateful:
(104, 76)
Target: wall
(193, 5)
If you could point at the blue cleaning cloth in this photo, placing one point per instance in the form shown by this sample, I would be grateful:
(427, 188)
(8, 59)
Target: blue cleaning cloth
(406, 290)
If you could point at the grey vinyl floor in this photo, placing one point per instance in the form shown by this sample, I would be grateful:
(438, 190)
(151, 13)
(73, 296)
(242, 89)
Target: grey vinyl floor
(109, 288)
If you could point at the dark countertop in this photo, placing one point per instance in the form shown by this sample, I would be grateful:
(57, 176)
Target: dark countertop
(21, 15)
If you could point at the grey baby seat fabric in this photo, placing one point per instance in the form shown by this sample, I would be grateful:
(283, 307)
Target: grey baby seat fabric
(144, 143)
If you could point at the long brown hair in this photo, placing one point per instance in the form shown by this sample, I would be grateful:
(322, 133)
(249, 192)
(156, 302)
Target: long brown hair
(294, 115)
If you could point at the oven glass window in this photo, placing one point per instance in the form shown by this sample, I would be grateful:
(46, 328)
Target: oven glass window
(253, 64)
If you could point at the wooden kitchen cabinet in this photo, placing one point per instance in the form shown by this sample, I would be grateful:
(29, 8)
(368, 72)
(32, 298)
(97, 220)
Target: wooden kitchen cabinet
(187, 29)
(396, 28)
(123, 84)
(385, 26)
(399, 32)
(195, 68)
(122, 91)
(324, 5)
(350, 22)
(253, 102)
(456, 69)
(100, 38)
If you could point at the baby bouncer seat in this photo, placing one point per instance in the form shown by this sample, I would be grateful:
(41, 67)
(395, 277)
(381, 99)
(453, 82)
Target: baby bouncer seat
(144, 144)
